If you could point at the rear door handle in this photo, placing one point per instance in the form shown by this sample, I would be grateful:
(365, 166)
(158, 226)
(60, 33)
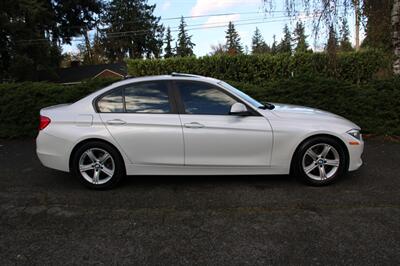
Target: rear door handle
(194, 125)
(116, 122)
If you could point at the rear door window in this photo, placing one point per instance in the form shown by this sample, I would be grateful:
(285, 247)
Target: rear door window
(147, 97)
(144, 97)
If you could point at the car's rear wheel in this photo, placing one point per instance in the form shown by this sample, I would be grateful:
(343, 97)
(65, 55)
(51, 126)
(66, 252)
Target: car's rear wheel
(320, 161)
(98, 165)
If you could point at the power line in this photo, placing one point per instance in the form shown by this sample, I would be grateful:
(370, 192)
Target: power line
(175, 29)
(201, 16)
(211, 27)
(185, 17)
(222, 14)
(137, 32)
(194, 25)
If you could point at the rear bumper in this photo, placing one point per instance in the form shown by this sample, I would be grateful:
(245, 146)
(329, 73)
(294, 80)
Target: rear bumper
(52, 151)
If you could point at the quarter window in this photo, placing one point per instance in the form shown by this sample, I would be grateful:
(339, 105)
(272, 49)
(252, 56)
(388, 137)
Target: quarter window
(111, 103)
(204, 99)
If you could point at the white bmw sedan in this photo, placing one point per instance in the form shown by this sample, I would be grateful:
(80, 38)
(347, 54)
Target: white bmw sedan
(183, 124)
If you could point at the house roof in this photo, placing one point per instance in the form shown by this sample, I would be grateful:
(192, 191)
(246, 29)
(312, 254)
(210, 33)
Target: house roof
(79, 73)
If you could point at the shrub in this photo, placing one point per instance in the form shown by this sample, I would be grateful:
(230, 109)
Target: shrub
(20, 103)
(374, 106)
(355, 67)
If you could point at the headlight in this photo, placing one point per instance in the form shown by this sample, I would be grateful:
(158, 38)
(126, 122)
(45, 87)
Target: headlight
(355, 133)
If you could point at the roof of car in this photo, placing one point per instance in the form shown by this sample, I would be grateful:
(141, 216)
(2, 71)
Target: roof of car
(173, 76)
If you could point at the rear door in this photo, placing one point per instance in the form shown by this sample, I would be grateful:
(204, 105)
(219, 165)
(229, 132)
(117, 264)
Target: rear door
(142, 118)
(212, 136)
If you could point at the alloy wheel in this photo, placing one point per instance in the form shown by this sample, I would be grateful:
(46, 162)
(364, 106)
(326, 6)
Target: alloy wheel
(321, 161)
(96, 166)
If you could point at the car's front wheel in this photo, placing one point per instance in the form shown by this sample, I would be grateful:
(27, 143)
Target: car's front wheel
(98, 165)
(320, 161)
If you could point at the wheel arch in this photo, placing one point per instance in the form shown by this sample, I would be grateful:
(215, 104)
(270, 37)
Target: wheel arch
(84, 141)
(339, 140)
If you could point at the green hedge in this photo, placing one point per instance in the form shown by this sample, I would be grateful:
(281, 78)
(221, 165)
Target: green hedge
(374, 105)
(20, 103)
(355, 67)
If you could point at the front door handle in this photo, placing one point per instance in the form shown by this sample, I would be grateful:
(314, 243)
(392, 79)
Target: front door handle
(194, 125)
(116, 122)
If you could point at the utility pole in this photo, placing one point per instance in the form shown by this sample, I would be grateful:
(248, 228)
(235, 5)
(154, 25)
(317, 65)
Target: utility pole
(357, 21)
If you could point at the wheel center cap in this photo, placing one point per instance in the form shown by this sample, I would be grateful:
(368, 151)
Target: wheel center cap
(97, 166)
(320, 161)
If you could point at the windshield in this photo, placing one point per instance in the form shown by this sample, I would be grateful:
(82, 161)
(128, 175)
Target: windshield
(241, 94)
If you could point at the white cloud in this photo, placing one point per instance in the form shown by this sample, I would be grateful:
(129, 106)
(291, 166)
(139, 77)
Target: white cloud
(166, 5)
(204, 7)
(220, 20)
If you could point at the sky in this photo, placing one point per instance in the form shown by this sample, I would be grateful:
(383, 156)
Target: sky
(209, 30)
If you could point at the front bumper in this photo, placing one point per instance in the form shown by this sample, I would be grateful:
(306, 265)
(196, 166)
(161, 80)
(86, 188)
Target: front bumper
(355, 152)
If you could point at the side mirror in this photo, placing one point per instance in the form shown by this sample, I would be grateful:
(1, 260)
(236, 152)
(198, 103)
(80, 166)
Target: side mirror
(239, 109)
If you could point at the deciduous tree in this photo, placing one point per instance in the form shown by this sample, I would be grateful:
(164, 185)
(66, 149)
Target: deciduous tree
(396, 35)
(218, 49)
(378, 13)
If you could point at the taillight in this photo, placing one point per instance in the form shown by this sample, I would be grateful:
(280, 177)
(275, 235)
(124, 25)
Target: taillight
(44, 122)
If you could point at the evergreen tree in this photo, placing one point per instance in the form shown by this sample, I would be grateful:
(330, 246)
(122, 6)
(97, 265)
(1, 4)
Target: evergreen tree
(258, 44)
(168, 48)
(381, 16)
(90, 52)
(332, 43)
(300, 38)
(144, 37)
(331, 49)
(274, 47)
(233, 40)
(285, 45)
(184, 45)
(345, 44)
(31, 33)
(378, 27)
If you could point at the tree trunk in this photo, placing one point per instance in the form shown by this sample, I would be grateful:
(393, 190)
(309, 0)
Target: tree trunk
(357, 22)
(88, 47)
(396, 35)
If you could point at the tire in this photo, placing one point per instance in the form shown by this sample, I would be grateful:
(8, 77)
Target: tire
(98, 165)
(320, 161)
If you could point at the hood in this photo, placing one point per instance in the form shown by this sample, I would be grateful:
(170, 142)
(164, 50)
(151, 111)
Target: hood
(296, 112)
(289, 109)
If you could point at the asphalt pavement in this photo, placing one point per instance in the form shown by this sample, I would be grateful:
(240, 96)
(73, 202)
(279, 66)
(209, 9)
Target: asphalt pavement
(48, 217)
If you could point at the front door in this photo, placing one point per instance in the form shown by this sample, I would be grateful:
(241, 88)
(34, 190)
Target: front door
(212, 136)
